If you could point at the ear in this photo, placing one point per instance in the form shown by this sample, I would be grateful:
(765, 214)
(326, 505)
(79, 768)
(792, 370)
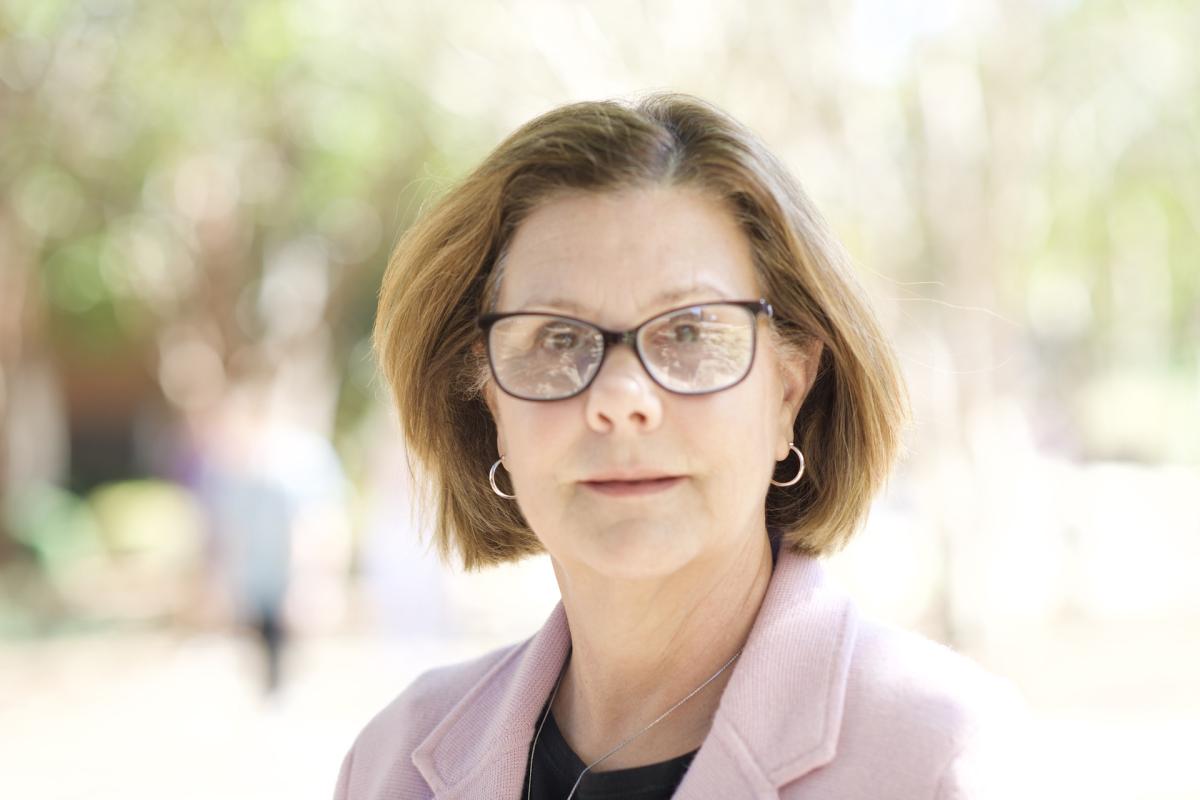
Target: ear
(489, 399)
(798, 371)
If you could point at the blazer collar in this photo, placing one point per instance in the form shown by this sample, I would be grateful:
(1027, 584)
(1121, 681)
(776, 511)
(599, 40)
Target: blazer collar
(796, 658)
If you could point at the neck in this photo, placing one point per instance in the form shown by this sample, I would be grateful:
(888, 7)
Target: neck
(639, 647)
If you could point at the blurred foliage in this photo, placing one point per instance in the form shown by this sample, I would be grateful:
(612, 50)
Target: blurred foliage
(202, 184)
(126, 552)
(154, 521)
(233, 168)
(57, 527)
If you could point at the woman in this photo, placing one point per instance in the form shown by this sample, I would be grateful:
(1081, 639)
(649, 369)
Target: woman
(627, 340)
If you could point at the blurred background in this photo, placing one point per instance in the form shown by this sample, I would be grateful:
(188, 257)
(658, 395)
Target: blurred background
(210, 575)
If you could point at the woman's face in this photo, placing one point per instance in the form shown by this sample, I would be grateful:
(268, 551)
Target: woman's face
(616, 259)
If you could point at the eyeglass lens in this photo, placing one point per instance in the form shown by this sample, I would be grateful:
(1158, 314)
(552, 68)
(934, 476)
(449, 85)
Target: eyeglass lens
(693, 350)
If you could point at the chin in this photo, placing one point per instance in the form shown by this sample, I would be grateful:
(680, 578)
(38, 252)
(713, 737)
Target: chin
(638, 550)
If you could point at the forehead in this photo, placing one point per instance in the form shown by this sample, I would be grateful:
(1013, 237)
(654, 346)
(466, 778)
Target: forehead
(616, 257)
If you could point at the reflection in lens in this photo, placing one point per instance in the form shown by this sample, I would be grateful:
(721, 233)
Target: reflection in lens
(700, 349)
(541, 356)
(692, 350)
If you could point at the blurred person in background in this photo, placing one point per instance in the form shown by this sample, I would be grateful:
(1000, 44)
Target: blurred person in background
(251, 515)
(268, 487)
(628, 340)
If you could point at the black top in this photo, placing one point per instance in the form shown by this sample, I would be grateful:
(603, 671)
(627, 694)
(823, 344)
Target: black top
(556, 766)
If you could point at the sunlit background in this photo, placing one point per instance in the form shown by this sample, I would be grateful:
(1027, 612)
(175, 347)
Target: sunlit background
(210, 578)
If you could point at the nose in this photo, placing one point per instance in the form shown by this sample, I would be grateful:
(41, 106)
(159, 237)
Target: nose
(622, 395)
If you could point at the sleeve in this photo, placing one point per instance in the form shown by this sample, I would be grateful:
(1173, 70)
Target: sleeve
(342, 790)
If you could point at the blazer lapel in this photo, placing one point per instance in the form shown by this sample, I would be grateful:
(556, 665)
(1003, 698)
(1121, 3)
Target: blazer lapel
(480, 748)
(778, 718)
(781, 711)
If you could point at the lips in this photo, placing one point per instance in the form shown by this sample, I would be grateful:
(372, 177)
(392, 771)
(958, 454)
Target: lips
(628, 476)
(626, 488)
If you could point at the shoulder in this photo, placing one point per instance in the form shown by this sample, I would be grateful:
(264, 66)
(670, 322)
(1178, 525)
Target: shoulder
(900, 670)
(379, 763)
(430, 696)
(918, 703)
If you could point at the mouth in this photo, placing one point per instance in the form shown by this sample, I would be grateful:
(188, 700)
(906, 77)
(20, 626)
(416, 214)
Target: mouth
(633, 488)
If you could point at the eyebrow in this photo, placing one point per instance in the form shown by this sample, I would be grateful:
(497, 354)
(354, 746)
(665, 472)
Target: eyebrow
(662, 298)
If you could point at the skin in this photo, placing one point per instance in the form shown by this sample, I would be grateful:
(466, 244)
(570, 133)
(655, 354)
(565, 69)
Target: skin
(659, 590)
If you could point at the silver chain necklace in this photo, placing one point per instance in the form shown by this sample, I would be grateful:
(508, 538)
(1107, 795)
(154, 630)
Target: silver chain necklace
(529, 788)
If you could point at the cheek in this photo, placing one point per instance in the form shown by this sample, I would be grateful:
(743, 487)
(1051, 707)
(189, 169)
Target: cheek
(748, 408)
(743, 438)
(728, 436)
(538, 436)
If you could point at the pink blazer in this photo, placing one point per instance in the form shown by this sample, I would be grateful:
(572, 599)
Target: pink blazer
(822, 703)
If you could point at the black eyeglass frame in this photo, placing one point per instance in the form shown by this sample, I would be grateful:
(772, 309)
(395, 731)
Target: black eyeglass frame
(611, 338)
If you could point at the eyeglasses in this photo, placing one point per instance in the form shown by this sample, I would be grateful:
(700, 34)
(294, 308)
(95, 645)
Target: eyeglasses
(694, 349)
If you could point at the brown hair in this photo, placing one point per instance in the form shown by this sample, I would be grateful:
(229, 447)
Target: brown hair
(446, 270)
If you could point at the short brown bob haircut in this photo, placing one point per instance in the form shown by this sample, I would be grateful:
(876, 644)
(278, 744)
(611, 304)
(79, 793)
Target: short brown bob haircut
(446, 270)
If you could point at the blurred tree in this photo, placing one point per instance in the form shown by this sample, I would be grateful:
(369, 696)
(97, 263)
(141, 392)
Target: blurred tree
(191, 189)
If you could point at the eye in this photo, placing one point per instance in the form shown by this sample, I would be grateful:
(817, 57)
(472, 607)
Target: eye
(558, 338)
(689, 327)
(685, 332)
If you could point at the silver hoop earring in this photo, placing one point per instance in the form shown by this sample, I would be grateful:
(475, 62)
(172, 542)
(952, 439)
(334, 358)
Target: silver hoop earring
(798, 474)
(492, 480)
